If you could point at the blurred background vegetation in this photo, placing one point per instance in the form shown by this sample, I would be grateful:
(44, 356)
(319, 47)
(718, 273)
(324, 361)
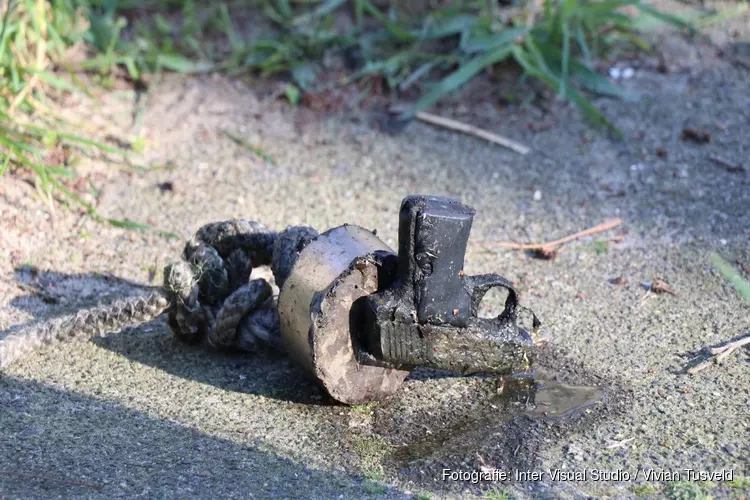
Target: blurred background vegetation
(423, 50)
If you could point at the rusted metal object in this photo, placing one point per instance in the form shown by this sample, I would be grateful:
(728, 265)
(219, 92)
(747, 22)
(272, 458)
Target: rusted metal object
(428, 317)
(359, 317)
(315, 307)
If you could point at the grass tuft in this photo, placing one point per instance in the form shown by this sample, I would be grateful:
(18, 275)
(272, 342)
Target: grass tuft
(496, 493)
(47, 46)
(37, 39)
(685, 490)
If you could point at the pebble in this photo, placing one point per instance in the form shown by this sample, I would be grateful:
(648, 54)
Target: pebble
(623, 73)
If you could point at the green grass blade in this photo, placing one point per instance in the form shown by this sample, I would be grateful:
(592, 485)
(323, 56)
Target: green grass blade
(234, 41)
(453, 25)
(41, 132)
(318, 12)
(4, 34)
(456, 79)
(484, 43)
(90, 142)
(594, 82)
(595, 9)
(284, 8)
(53, 80)
(664, 17)
(587, 78)
(59, 170)
(731, 275)
(77, 81)
(565, 57)
(722, 16)
(523, 60)
(181, 64)
(127, 224)
(397, 31)
(583, 45)
(43, 171)
(618, 19)
(19, 141)
(250, 147)
(590, 112)
(100, 62)
(540, 61)
(568, 8)
(6, 165)
(132, 68)
(418, 73)
(16, 146)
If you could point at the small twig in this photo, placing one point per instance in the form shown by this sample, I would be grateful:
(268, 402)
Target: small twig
(472, 130)
(604, 226)
(646, 297)
(18, 54)
(22, 95)
(46, 478)
(699, 367)
(619, 444)
(482, 465)
(724, 351)
(729, 166)
(719, 354)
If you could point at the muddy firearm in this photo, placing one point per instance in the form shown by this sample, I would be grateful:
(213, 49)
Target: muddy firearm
(360, 317)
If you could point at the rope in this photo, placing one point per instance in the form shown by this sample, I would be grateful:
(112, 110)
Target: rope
(83, 324)
(208, 295)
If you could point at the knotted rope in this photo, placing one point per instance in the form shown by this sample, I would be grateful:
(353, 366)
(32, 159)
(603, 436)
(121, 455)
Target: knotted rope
(208, 295)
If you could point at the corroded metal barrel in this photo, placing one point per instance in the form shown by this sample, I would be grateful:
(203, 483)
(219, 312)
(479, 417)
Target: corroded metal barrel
(318, 324)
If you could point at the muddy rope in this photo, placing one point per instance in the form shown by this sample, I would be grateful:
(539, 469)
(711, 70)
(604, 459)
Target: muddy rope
(208, 295)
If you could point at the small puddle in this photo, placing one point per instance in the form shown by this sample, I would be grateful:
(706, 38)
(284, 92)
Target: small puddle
(553, 399)
(520, 395)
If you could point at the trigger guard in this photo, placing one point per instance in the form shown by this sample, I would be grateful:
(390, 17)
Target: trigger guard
(479, 285)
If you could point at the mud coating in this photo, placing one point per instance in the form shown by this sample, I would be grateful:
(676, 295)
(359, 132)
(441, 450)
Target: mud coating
(315, 303)
(429, 316)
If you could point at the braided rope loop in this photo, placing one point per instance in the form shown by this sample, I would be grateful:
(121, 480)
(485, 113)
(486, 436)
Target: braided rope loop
(208, 295)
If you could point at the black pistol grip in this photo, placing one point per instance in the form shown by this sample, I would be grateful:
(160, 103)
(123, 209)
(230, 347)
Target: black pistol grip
(479, 285)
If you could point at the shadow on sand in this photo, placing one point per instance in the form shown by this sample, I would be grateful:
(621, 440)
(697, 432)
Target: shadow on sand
(268, 374)
(93, 441)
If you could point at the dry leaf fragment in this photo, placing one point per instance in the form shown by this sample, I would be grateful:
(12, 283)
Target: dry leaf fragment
(660, 286)
(696, 135)
(545, 253)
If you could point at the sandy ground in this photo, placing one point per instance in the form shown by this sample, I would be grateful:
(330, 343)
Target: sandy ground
(139, 414)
